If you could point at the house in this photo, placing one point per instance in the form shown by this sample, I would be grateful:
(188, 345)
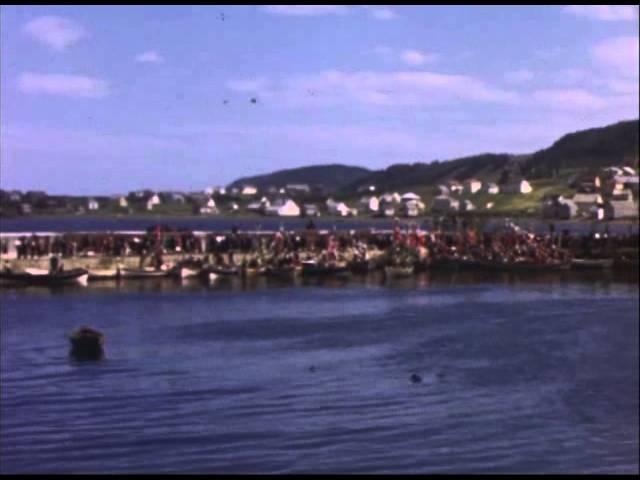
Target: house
(621, 205)
(443, 190)
(370, 204)
(121, 201)
(283, 208)
(153, 200)
(25, 209)
(472, 185)
(492, 188)
(558, 207)
(93, 205)
(140, 194)
(339, 208)
(466, 206)
(14, 196)
(586, 201)
(208, 207)
(172, 197)
(248, 190)
(517, 186)
(35, 196)
(259, 206)
(410, 196)
(455, 187)
(585, 182)
(444, 204)
(410, 208)
(310, 210)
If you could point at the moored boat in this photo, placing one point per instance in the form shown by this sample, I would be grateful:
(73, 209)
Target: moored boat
(87, 344)
(314, 269)
(104, 274)
(398, 271)
(592, 263)
(66, 277)
(131, 273)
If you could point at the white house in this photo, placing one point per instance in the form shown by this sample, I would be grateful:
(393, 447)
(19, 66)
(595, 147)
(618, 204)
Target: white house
(370, 204)
(153, 201)
(455, 186)
(248, 190)
(443, 190)
(259, 206)
(444, 204)
(93, 204)
(341, 209)
(122, 202)
(517, 186)
(283, 208)
(209, 207)
(492, 188)
(410, 208)
(585, 202)
(621, 205)
(409, 196)
(472, 185)
(466, 206)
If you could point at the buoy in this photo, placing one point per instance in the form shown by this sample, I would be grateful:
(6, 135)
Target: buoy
(415, 378)
(312, 368)
(86, 344)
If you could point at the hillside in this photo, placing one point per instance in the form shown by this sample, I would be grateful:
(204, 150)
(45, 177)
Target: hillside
(594, 148)
(331, 177)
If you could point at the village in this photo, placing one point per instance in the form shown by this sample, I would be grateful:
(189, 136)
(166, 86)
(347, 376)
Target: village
(606, 194)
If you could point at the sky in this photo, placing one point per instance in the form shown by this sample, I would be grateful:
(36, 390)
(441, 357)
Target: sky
(109, 99)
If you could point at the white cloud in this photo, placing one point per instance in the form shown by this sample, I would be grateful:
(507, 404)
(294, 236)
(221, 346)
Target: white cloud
(149, 57)
(65, 85)
(619, 53)
(401, 88)
(416, 57)
(604, 12)
(519, 76)
(306, 10)
(55, 32)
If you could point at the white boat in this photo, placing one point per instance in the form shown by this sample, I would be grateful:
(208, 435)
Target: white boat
(104, 274)
(142, 273)
(188, 272)
(592, 262)
(36, 271)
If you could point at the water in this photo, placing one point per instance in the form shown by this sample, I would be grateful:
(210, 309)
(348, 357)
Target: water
(111, 224)
(520, 374)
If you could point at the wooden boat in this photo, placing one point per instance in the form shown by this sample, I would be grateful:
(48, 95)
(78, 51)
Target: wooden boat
(286, 271)
(523, 266)
(592, 263)
(36, 277)
(315, 269)
(222, 270)
(400, 271)
(87, 344)
(104, 274)
(130, 273)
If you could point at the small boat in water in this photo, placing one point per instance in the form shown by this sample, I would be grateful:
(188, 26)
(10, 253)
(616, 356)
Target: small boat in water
(592, 263)
(39, 277)
(283, 272)
(314, 269)
(399, 271)
(222, 270)
(104, 274)
(87, 344)
(142, 273)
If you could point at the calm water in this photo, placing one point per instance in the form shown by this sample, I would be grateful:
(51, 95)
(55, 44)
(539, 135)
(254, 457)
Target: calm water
(520, 374)
(102, 224)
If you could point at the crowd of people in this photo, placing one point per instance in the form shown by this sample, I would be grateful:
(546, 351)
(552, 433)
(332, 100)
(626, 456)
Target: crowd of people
(408, 243)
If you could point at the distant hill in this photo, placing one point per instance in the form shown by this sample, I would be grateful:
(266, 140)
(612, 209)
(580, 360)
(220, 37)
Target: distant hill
(331, 177)
(594, 148)
(615, 144)
(406, 175)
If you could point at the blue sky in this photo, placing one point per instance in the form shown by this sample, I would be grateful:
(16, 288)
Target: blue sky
(107, 99)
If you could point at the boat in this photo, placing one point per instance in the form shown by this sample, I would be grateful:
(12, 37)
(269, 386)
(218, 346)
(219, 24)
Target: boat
(361, 267)
(523, 266)
(87, 344)
(104, 274)
(399, 271)
(131, 273)
(36, 277)
(592, 263)
(222, 270)
(314, 269)
(285, 271)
